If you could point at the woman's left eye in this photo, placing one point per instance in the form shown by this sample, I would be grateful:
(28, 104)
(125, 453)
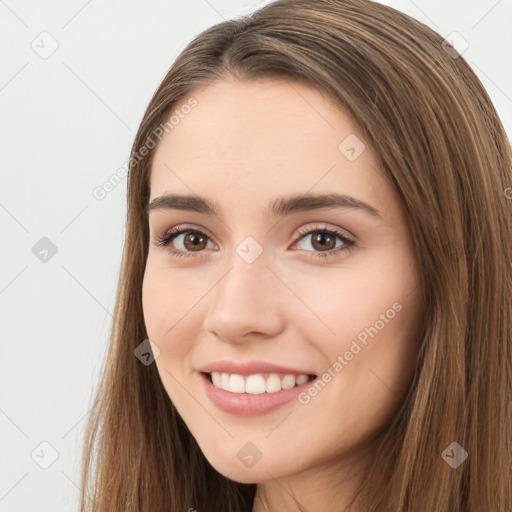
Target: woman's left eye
(195, 240)
(324, 238)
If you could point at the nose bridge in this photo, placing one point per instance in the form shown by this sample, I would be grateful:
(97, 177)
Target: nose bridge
(245, 298)
(248, 279)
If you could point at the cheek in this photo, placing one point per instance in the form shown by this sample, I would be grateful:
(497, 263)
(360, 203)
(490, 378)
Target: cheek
(340, 304)
(369, 316)
(369, 364)
(167, 318)
(168, 297)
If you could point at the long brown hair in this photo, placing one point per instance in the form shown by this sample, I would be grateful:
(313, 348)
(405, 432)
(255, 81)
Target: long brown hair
(442, 145)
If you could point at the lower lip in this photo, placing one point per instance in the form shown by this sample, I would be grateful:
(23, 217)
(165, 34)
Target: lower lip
(245, 404)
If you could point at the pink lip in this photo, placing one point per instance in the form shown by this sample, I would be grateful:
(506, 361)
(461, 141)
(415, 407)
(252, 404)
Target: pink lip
(250, 367)
(245, 404)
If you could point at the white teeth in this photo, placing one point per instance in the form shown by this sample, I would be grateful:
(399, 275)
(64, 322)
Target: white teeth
(273, 383)
(236, 384)
(216, 378)
(301, 379)
(288, 382)
(256, 384)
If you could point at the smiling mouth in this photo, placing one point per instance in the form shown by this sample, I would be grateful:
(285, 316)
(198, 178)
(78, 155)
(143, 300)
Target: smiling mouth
(258, 383)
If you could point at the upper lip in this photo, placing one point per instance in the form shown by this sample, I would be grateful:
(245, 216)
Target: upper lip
(249, 368)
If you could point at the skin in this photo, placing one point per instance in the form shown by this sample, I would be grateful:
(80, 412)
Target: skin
(244, 144)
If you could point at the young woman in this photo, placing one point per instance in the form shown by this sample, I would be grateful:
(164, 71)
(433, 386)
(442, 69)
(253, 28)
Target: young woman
(314, 309)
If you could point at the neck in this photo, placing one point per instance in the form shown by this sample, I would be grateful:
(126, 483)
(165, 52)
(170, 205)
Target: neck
(326, 487)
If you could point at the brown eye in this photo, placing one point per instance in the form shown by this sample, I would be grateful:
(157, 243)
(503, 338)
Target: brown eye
(194, 241)
(323, 241)
(183, 241)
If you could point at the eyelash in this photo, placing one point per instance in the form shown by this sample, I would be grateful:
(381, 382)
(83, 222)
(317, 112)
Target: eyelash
(165, 239)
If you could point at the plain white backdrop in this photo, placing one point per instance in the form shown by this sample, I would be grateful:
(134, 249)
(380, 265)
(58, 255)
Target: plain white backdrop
(75, 79)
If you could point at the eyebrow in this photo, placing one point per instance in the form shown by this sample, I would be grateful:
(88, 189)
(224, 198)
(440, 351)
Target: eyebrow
(279, 207)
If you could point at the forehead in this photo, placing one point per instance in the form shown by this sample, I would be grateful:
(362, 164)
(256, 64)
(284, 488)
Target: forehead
(255, 139)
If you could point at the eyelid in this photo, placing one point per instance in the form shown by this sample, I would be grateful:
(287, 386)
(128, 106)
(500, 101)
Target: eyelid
(314, 226)
(323, 226)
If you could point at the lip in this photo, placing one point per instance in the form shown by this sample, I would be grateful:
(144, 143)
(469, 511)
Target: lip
(244, 404)
(250, 367)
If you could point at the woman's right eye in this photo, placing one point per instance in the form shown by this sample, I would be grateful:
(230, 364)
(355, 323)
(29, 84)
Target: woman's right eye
(192, 238)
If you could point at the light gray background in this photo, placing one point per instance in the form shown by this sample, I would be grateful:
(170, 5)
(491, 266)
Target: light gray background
(66, 125)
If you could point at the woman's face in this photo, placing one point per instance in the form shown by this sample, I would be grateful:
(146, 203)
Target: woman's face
(256, 284)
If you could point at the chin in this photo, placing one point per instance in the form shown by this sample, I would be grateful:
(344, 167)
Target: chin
(236, 470)
(245, 476)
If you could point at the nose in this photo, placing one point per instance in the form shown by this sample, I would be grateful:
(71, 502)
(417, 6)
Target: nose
(248, 300)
